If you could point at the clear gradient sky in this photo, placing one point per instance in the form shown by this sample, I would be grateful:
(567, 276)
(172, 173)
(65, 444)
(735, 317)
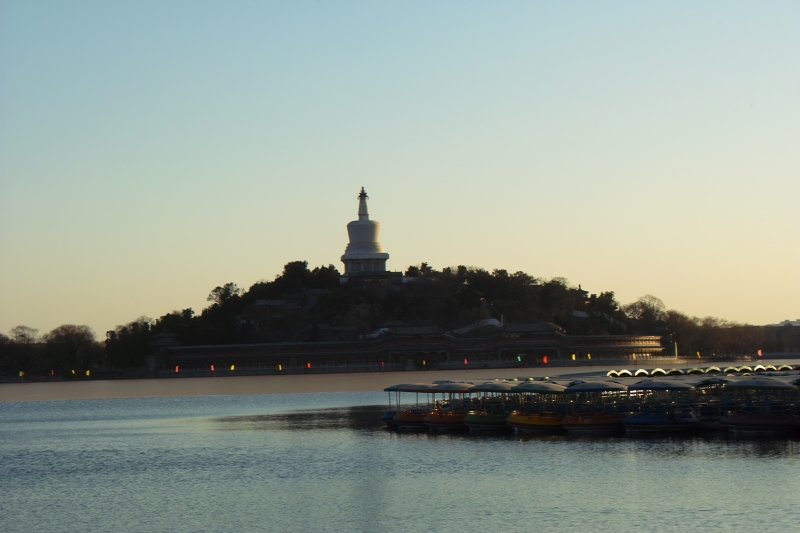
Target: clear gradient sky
(152, 150)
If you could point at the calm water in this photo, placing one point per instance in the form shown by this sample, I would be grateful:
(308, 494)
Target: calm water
(321, 462)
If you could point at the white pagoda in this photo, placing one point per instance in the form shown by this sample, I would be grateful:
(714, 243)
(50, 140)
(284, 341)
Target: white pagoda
(364, 255)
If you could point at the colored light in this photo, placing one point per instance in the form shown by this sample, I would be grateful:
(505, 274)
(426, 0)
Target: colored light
(589, 356)
(545, 359)
(466, 361)
(213, 368)
(177, 368)
(760, 354)
(88, 373)
(233, 368)
(573, 357)
(519, 359)
(308, 365)
(280, 367)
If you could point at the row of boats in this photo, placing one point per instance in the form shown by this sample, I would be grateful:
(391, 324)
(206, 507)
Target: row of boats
(763, 403)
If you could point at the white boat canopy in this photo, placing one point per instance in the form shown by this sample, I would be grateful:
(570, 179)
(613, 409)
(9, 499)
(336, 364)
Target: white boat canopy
(494, 386)
(596, 386)
(540, 387)
(659, 385)
(760, 382)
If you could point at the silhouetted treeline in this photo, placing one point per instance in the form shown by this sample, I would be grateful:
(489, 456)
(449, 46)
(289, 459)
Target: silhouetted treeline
(314, 305)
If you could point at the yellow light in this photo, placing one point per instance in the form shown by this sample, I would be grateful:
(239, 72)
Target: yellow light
(589, 356)
(573, 357)
(88, 373)
(73, 371)
(280, 367)
(233, 368)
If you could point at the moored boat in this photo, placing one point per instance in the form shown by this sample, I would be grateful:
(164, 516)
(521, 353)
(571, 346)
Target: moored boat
(448, 413)
(541, 410)
(494, 405)
(660, 406)
(598, 408)
(763, 406)
(404, 417)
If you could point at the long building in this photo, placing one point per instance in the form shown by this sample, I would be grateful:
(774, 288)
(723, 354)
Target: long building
(488, 345)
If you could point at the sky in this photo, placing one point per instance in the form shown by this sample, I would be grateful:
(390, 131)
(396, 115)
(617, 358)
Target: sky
(151, 151)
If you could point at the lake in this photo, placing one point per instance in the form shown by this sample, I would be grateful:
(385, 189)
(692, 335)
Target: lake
(322, 462)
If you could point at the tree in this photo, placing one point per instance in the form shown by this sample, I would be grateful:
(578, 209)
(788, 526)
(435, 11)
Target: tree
(222, 295)
(24, 335)
(70, 346)
(647, 312)
(127, 346)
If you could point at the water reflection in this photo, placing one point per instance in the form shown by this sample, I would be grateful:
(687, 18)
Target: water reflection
(367, 419)
(360, 418)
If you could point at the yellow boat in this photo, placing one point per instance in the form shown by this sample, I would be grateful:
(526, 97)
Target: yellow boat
(534, 422)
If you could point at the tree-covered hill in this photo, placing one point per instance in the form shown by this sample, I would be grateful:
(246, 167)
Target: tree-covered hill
(302, 304)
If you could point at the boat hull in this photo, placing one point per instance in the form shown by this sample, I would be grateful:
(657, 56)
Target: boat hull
(594, 424)
(644, 424)
(485, 422)
(444, 422)
(759, 425)
(534, 423)
(409, 421)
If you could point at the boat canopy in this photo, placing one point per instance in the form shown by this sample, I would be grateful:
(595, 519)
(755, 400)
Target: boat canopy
(494, 386)
(452, 386)
(409, 387)
(658, 372)
(659, 385)
(695, 370)
(760, 382)
(612, 374)
(625, 372)
(641, 372)
(540, 387)
(675, 372)
(713, 370)
(596, 386)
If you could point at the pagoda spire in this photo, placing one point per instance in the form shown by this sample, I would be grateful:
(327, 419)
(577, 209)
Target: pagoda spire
(363, 214)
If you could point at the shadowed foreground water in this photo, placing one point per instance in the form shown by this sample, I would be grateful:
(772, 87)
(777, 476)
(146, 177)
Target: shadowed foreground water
(322, 462)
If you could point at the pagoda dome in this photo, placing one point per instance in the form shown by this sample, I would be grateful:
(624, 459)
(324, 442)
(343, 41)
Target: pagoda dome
(363, 254)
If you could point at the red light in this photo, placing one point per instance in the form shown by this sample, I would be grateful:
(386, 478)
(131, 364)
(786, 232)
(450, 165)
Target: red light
(760, 354)
(308, 365)
(466, 361)
(213, 368)
(545, 359)
(177, 368)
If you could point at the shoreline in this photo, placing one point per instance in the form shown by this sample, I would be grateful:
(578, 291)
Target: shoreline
(247, 385)
(279, 384)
